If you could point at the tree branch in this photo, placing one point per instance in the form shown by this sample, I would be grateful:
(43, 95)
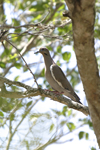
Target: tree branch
(10, 135)
(24, 61)
(25, 26)
(30, 92)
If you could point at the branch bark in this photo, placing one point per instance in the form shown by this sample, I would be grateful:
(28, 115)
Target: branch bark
(30, 92)
(83, 18)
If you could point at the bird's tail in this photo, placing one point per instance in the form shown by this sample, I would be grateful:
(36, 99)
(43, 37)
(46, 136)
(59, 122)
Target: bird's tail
(77, 98)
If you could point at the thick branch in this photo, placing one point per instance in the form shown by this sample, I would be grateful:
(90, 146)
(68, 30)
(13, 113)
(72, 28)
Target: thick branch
(35, 92)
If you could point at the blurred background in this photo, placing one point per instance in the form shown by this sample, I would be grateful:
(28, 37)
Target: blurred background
(39, 123)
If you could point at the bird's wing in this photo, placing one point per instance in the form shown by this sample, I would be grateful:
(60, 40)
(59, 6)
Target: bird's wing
(60, 78)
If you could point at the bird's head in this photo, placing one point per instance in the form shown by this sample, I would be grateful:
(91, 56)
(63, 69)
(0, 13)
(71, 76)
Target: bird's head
(44, 51)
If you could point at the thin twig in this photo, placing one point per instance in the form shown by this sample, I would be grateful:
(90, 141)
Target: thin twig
(2, 34)
(24, 61)
(10, 135)
(26, 25)
(20, 84)
(24, 116)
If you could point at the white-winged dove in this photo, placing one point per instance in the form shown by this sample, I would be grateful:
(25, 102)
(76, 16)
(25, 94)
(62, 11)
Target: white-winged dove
(56, 77)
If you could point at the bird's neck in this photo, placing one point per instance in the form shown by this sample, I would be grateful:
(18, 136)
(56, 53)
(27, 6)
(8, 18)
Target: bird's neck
(48, 62)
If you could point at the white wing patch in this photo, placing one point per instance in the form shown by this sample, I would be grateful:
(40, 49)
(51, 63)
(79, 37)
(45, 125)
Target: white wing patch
(54, 76)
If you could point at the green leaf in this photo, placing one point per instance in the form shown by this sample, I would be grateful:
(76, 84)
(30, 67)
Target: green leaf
(57, 112)
(12, 117)
(86, 136)
(25, 69)
(32, 9)
(71, 126)
(52, 127)
(21, 6)
(43, 72)
(66, 56)
(16, 78)
(29, 103)
(1, 114)
(59, 49)
(62, 123)
(64, 110)
(58, 63)
(13, 56)
(93, 148)
(18, 65)
(14, 88)
(2, 65)
(81, 134)
(90, 124)
(86, 121)
(69, 112)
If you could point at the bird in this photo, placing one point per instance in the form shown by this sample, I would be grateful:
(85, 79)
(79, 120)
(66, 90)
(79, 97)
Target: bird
(56, 77)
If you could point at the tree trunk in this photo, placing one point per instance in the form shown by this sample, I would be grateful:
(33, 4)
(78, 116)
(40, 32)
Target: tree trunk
(1, 11)
(82, 13)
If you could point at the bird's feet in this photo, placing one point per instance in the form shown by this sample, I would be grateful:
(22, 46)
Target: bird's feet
(55, 92)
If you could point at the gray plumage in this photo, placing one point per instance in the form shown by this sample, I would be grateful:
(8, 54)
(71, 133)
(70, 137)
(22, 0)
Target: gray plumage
(56, 77)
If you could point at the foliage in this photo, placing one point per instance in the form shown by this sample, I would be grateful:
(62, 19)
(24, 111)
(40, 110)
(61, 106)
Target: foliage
(55, 33)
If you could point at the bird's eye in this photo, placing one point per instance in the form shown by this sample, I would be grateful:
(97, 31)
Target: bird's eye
(45, 53)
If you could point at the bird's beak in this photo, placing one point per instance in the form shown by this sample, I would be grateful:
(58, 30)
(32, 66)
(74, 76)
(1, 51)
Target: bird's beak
(37, 52)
